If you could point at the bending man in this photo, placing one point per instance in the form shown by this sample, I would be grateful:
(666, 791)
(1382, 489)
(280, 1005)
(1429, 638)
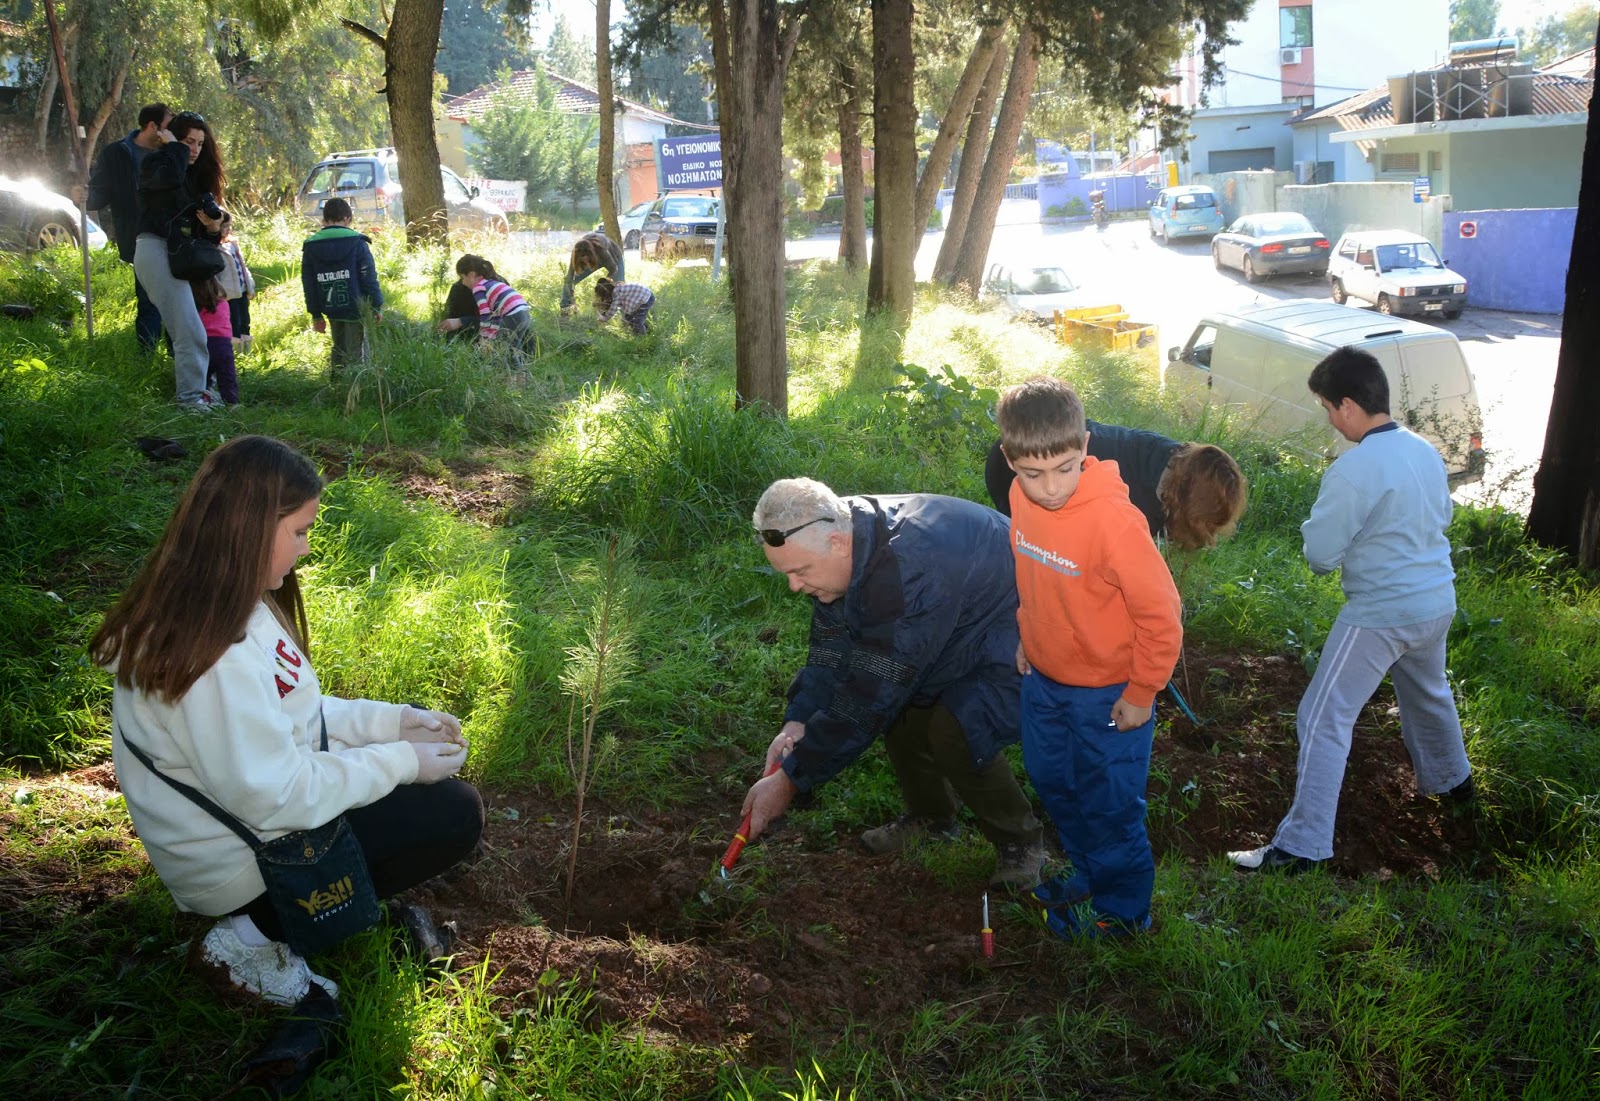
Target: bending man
(913, 636)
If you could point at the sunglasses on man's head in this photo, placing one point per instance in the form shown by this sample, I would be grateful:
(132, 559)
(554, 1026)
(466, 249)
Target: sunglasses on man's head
(772, 537)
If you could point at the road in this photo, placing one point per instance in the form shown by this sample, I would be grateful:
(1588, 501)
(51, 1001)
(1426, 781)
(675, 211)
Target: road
(1512, 356)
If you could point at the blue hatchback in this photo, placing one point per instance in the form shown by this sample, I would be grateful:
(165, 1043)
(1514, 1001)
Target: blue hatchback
(1189, 211)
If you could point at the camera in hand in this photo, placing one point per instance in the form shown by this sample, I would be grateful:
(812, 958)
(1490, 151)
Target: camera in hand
(208, 206)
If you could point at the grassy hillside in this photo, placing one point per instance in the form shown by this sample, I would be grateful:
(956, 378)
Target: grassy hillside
(459, 558)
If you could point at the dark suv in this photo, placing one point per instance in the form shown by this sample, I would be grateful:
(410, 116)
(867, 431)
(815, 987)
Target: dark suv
(369, 180)
(678, 227)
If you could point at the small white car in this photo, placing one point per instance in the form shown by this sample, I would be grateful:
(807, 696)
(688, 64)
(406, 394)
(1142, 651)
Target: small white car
(1034, 292)
(628, 224)
(1396, 271)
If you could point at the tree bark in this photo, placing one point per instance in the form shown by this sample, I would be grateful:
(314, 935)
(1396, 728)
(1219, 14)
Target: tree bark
(1566, 490)
(109, 104)
(973, 148)
(968, 270)
(944, 145)
(409, 50)
(754, 181)
(891, 284)
(853, 232)
(606, 165)
(722, 65)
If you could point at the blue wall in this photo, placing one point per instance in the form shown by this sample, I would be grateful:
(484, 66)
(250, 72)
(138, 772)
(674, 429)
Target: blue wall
(1123, 192)
(1517, 260)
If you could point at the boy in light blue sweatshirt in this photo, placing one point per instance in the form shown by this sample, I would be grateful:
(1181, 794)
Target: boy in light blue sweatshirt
(1379, 518)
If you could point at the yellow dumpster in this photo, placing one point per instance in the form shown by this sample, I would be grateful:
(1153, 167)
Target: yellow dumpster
(1104, 327)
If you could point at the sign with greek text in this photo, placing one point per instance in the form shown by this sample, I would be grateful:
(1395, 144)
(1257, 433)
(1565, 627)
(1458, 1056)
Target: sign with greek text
(685, 164)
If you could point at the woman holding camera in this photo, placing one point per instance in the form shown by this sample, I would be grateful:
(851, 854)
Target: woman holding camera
(179, 187)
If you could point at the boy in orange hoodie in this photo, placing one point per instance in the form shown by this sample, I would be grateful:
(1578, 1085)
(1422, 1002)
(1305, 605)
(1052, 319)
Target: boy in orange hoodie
(1101, 629)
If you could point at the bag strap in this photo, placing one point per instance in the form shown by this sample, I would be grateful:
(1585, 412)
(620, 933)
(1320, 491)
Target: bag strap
(203, 801)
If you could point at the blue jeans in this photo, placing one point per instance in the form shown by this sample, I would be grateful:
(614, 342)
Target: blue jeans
(146, 318)
(1091, 779)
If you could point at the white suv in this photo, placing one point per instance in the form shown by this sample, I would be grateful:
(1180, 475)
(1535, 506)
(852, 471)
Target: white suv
(1396, 271)
(369, 179)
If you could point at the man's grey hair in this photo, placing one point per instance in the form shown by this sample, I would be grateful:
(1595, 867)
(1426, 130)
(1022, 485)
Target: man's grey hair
(790, 502)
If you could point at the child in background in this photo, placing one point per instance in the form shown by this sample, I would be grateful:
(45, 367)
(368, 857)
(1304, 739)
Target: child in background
(500, 308)
(632, 300)
(338, 274)
(240, 285)
(211, 299)
(1101, 630)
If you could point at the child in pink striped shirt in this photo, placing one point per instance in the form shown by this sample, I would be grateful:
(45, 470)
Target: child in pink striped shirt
(500, 307)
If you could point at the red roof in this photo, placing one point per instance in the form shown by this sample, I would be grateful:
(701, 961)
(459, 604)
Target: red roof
(571, 98)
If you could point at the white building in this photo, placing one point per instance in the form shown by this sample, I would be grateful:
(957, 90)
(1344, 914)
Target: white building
(1296, 55)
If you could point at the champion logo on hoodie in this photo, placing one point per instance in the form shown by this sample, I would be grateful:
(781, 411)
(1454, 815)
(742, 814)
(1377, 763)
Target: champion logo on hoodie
(289, 661)
(1059, 563)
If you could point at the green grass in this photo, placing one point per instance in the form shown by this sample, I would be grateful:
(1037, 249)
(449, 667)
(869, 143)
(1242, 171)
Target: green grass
(1316, 987)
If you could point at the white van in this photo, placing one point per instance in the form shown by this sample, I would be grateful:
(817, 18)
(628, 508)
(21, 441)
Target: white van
(1255, 361)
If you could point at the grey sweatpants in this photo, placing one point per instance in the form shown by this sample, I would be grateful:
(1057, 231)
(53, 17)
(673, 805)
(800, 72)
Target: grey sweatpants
(174, 298)
(1354, 661)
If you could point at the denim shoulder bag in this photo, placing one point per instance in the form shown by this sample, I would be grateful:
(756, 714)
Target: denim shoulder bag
(316, 879)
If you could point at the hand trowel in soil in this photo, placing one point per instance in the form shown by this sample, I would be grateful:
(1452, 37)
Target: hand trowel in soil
(723, 877)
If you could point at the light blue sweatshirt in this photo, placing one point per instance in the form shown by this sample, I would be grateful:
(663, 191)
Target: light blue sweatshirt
(1380, 518)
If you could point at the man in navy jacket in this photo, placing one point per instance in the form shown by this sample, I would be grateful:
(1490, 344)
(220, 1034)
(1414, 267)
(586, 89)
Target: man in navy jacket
(914, 638)
(114, 186)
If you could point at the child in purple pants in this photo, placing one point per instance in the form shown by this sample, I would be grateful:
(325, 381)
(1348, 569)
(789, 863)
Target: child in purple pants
(211, 299)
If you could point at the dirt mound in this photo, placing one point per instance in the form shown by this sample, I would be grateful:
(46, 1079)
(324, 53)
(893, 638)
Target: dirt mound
(1226, 783)
(826, 938)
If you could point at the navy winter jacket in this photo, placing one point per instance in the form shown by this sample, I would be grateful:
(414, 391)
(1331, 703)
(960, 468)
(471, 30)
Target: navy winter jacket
(114, 186)
(930, 616)
(337, 272)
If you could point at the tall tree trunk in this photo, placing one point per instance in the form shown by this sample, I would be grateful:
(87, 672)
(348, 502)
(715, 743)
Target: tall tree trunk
(892, 282)
(853, 233)
(409, 50)
(754, 167)
(968, 271)
(973, 148)
(944, 145)
(722, 66)
(107, 105)
(1566, 489)
(606, 165)
(47, 103)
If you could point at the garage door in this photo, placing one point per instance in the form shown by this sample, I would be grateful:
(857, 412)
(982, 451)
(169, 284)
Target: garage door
(1240, 160)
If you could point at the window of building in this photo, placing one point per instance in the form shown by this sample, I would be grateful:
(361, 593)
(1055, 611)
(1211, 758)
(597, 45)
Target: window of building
(1435, 161)
(1299, 102)
(1295, 26)
(1408, 164)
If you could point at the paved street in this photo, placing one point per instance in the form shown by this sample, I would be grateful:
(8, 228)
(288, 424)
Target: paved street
(1512, 356)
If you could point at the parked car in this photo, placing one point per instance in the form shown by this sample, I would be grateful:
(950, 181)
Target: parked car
(628, 224)
(1255, 362)
(679, 226)
(1396, 271)
(34, 217)
(1034, 292)
(1271, 244)
(1188, 211)
(369, 180)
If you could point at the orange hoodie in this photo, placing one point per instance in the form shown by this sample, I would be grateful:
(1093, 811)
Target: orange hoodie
(1098, 606)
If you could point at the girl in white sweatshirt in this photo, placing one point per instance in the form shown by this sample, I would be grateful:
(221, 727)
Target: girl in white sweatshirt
(214, 684)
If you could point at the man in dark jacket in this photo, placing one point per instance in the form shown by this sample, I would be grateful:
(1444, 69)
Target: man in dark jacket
(114, 186)
(337, 274)
(914, 637)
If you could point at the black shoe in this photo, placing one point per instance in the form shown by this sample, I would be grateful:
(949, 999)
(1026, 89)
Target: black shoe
(1271, 859)
(1464, 792)
(893, 836)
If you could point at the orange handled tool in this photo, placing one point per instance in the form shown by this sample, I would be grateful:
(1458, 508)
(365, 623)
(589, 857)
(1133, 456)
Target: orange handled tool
(736, 846)
(988, 932)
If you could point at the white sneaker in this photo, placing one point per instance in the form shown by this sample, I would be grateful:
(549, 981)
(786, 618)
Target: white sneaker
(271, 972)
